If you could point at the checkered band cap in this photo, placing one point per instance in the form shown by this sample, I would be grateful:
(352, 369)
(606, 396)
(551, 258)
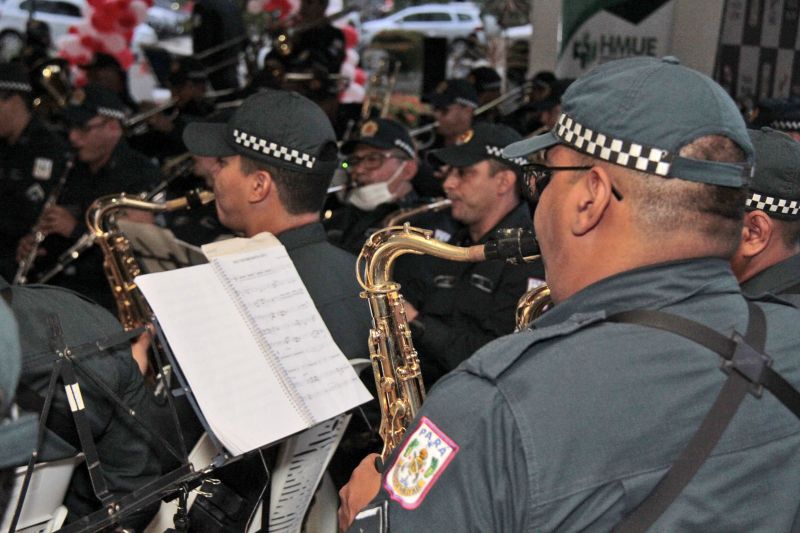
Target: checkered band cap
(465, 102)
(786, 125)
(273, 149)
(404, 146)
(497, 152)
(111, 113)
(7, 85)
(772, 205)
(633, 155)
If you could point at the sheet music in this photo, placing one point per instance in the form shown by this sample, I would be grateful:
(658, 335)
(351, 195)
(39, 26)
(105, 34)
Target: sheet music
(219, 317)
(235, 387)
(269, 288)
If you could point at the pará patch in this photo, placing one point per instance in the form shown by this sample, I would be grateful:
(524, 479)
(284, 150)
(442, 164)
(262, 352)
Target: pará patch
(535, 282)
(42, 168)
(426, 454)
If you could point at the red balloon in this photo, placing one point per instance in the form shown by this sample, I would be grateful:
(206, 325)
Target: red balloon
(125, 58)
(127, 21)
(350, 36)
(360, 77)
(102, 23)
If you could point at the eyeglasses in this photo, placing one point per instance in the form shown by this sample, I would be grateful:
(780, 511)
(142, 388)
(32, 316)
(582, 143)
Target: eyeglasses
(372, 161)
(541, 175)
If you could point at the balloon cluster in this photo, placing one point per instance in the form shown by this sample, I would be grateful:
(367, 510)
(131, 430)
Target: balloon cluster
(355, 90)
(279, 10)
(109, 29)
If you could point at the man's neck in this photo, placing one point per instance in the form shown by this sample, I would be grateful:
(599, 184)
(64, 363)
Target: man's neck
(278, 225)
(97, 165)
(479, 229)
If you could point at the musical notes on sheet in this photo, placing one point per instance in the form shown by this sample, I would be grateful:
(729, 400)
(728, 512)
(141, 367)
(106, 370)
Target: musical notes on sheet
(270, 291)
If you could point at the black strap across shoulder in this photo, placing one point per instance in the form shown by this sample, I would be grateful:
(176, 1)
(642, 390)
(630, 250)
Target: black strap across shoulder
(748, 370)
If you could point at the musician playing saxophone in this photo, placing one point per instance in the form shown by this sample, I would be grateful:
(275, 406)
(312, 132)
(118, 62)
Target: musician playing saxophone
(32, 159)
(455, 308)
(105, 165)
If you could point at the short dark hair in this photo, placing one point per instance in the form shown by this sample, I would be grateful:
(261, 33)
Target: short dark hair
(299, 192)
(671, 204)
(789, 231)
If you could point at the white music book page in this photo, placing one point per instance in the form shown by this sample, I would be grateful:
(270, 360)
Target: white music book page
(252, 346)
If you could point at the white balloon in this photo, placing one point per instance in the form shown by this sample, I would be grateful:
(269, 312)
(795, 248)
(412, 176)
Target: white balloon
(351, 56)
(353, 94)
(139, 10)
(254, 7)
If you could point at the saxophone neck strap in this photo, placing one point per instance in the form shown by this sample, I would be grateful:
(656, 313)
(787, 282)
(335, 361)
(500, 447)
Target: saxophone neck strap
(749, 371)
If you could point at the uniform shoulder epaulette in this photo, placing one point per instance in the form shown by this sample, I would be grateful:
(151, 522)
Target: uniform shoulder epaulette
(496, 357)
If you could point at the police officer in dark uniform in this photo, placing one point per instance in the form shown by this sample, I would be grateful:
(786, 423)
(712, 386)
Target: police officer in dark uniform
(105, 165)
(455, 308)
(768, 258)
(275, 158)
(569, 426)
(161, 134)
(453, 102)
(126, 453)
(32, 159)
(381, 162)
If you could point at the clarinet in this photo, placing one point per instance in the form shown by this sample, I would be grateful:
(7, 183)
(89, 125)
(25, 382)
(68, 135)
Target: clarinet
(26, 263)
(176, 168)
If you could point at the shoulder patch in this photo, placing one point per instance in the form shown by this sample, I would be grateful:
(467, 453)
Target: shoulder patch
(419, 464)
(42, 168)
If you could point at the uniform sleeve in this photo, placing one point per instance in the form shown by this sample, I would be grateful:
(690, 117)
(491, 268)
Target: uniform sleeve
(461, 466)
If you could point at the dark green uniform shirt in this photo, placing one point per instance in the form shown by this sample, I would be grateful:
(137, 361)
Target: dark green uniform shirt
(781, 279)
(329, 274)
(127, 457)
(569, 426)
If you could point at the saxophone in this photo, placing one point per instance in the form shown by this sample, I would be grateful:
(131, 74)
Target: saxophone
(119, 263)
(395, 364)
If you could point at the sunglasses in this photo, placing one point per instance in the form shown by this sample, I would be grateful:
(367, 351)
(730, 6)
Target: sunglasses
(536, 177)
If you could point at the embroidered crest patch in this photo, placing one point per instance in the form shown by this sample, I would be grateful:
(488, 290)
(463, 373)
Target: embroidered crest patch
(419, 464)
(42, 168)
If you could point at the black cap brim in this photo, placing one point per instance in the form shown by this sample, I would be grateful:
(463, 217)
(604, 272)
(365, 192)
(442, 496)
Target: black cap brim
(350, 146)
(456, 156)
(207, 139)
(77, 116)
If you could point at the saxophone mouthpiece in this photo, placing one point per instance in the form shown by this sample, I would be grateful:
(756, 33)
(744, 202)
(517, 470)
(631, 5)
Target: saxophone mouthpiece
(514, 245)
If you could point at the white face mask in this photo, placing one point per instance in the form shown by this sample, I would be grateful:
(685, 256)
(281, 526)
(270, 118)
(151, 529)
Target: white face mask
(368, 197)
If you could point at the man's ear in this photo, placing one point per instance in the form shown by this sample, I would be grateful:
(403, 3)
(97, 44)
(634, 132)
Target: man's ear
(409, 170)
(506, 181)
(261, 185)
(590, 199)
(757, 232)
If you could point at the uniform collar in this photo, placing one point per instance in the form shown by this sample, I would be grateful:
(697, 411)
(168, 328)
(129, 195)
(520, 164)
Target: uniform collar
(303, 235)
(519, 217)
(650, 287)
(775, 279)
